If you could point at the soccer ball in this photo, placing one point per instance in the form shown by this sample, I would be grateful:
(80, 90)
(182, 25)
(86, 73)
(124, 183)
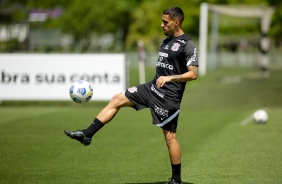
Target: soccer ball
(81, 91)
(260, 116)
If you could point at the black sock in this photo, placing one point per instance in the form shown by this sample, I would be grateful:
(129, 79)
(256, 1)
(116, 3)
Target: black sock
(93, 128)
(176, 171)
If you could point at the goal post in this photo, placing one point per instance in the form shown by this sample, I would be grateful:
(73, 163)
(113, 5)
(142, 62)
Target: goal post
(261, 12)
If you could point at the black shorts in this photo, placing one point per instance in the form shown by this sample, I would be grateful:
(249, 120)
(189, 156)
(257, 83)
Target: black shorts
(164, 112)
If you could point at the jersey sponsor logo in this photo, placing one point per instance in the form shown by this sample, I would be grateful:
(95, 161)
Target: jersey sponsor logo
(193, 57)
(163, 54)
(160, 62)
(157, 92)
(166, 47)
(132, 89)
(162, 112)
(175, 47)
(164, 65)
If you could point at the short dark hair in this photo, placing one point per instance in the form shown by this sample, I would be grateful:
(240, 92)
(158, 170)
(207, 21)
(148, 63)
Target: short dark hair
(175, 13)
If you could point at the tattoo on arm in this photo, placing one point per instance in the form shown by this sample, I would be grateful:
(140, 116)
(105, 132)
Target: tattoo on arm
(193, 69)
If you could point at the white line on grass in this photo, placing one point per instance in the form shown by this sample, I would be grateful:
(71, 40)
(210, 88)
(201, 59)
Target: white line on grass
(247, 120)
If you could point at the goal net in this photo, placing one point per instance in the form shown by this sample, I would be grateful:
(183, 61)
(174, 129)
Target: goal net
(209, 14)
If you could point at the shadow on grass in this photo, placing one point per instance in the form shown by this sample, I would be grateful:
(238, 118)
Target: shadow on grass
(160, 182)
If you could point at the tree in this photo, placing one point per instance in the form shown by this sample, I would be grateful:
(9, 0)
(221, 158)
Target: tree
(127, 21)
(83, 18)
(147, 20)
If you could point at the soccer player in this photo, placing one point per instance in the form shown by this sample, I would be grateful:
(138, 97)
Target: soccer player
(177, 64)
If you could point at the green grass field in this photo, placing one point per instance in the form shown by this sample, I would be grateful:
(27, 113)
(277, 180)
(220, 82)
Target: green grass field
(220, 144)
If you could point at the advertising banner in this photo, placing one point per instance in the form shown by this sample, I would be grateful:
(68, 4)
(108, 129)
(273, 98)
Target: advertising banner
(49, 76)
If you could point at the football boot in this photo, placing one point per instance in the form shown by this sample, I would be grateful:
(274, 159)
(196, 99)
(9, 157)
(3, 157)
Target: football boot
(79, 136)
(173, 181)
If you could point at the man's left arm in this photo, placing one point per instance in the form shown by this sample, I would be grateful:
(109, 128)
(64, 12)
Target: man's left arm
(191, 74)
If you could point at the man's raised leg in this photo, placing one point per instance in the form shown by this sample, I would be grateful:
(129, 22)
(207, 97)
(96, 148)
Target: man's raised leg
(105, 116)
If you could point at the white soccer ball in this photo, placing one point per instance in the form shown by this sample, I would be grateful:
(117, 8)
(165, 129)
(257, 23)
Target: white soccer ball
(81, 91)
(260, 116)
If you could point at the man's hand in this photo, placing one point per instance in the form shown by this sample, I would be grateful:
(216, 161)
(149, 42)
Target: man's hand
(185, 77)
(162, 80)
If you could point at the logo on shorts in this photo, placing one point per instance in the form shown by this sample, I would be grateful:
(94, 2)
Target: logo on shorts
(132, 89)
(162, 112)
(157, 92)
